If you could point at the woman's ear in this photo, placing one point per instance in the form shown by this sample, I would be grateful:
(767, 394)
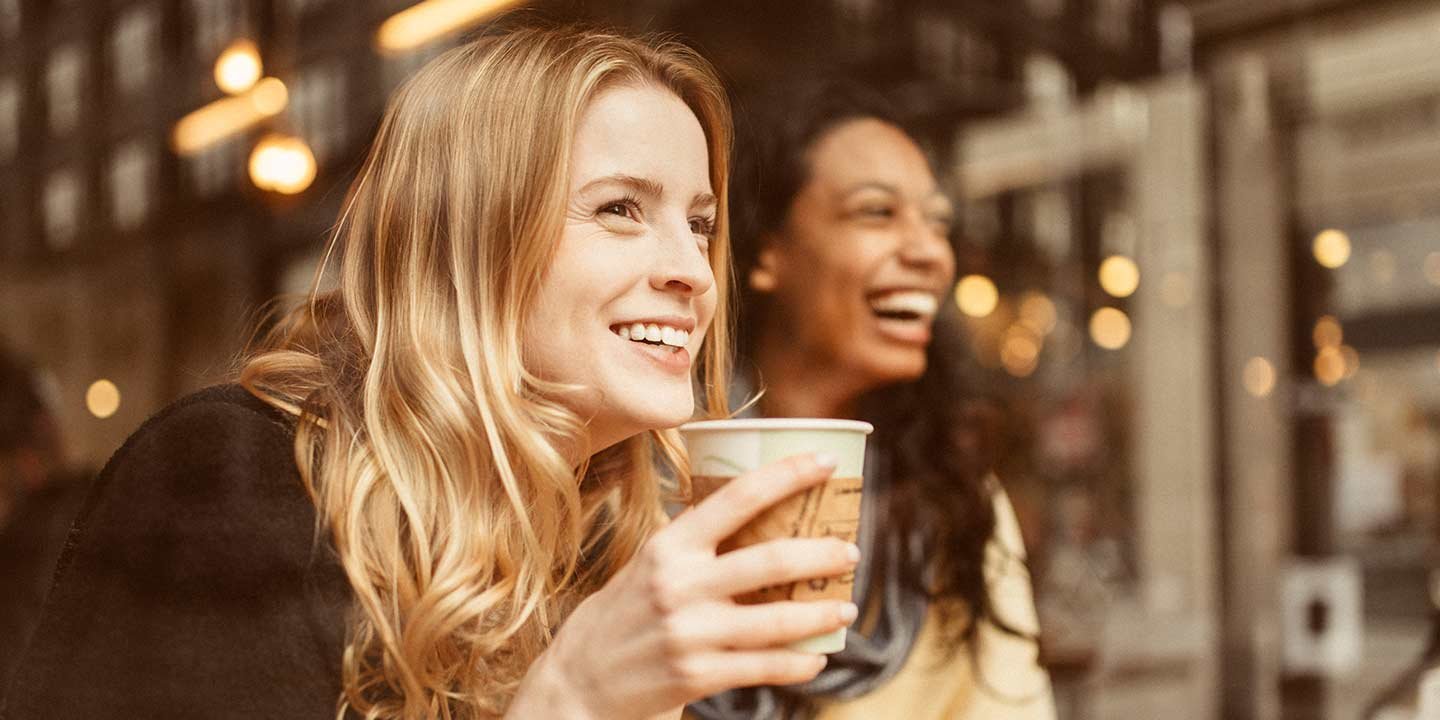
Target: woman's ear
(763, 277)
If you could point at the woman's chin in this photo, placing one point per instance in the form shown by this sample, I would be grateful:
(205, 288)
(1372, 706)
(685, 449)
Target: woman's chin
(888, 366)
(662, 414)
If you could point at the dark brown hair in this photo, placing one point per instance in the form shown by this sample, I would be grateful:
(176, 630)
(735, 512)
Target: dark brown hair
(933, 430)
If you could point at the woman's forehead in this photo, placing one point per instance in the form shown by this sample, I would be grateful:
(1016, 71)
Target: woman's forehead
(869, 153)
(641, 131)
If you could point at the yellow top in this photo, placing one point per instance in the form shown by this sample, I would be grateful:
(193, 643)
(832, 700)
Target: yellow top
(931, 686)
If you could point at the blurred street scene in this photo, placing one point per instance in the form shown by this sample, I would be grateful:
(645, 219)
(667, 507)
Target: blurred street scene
(1199, 278)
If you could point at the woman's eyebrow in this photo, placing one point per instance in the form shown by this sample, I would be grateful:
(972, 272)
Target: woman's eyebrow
(871, 185)
(703, 201)
(639, 185)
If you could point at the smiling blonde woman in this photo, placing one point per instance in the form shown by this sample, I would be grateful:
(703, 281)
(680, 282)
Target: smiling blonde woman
(434, 492)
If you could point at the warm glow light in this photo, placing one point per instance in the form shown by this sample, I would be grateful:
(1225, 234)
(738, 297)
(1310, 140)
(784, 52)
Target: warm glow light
(227, 116)
(1020, 351)
(1175, 289)
(269, 96)
(1259, 377)
(976, 295)
(238, 68)
(1332, 248)
(1110, 328)
(1351, 357)
(1329, 366)
(102, 399)
(283, 164)
(1037, 312)
(1119, 276)
(426, 21)
(1327, 332)
(1432, 268)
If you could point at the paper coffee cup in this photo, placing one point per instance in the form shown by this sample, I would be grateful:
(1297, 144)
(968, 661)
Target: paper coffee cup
(721, 450)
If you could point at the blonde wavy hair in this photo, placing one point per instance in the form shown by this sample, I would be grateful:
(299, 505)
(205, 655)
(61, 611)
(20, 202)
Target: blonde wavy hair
(435, 459)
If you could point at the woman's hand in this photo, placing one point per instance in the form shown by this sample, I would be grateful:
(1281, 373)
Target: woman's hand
(664, 631)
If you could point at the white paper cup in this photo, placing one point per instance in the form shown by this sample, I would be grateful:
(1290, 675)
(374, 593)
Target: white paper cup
(720, 450)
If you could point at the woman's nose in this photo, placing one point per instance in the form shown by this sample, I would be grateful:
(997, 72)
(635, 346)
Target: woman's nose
(922, 245)
(682, 265)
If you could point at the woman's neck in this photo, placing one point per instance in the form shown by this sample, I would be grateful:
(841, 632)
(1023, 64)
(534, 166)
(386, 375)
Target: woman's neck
(796, 385)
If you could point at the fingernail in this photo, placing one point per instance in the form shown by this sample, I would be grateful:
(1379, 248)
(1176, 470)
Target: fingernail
(825, 460)
(852, 551)
(848, 613)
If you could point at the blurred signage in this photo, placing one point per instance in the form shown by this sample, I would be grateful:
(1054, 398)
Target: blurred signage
(1320, 613)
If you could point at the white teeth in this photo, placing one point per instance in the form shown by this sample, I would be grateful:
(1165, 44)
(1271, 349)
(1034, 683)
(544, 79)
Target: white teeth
(912, 301)
(673, 337)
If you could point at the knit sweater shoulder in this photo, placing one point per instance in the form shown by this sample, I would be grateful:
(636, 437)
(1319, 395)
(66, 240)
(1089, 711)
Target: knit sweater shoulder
(193, 583)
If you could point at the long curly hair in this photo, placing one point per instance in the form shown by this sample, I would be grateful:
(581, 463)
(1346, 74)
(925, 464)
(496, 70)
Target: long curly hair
(939, 443)
(433, 455)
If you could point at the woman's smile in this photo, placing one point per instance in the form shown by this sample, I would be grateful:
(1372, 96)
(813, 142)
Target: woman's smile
(661, 341)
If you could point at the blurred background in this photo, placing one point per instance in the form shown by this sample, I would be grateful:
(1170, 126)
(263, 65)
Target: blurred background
(1199, 248)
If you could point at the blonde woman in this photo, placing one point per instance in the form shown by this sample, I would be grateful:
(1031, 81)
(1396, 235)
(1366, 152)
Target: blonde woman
(435, 495)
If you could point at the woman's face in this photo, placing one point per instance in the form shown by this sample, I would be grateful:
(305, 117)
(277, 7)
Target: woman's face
(862, 263)
(625, 304)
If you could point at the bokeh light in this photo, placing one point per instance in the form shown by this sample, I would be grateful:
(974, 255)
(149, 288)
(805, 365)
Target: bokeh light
(102, 398)
(227, 116)
(1351, 357)
(976, 295)
(1119, 276)
(426, 21)
(270, 96)
(1037, 312)
(1332, 248)
(1329, 366)
(1259, 377)
(1020, 351)
(238, 68)
(1327, 332)
(283, 164)
(1110, 328)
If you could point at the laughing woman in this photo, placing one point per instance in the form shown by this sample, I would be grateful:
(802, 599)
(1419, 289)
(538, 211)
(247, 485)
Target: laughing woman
(434, 493)
(841, 239)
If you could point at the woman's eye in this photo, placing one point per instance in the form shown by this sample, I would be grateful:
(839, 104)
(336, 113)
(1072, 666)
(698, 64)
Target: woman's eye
(622, 209)
(702, 226)
(877, 211)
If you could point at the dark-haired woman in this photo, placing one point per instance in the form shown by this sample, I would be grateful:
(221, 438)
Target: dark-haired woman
(843, 261)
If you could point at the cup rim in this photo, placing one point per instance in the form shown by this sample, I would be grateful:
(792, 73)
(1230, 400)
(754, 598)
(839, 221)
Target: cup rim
(743, 424)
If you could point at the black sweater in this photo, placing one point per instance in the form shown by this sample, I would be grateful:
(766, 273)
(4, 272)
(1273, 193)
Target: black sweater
(192, 585)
